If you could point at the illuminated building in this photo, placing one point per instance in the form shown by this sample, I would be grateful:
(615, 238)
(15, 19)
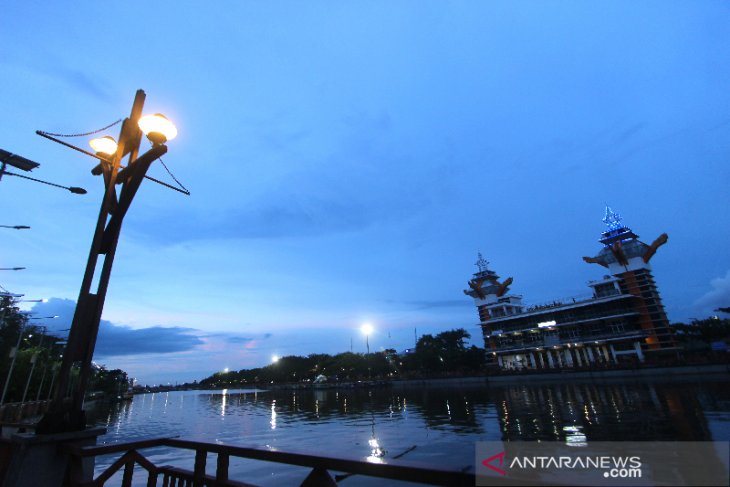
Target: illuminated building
(623, 320)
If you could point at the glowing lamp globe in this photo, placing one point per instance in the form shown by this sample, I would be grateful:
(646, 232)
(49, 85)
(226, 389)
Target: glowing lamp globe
(104, 145)
(157, 128)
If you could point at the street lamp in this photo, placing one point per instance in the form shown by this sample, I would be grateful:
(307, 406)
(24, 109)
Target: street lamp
(367, 329)
(12, 268)
(85, 325)
(16, 227)
(8, 158)
(157, 128)
(104, 145)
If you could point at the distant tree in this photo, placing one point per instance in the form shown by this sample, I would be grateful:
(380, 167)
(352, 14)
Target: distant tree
(445, 352)
(35, 350)
(111, 383)
(707, 330)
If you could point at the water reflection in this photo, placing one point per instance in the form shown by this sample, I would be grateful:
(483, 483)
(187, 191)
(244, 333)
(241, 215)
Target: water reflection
(273, 415)
(438, 425)
(601, 412)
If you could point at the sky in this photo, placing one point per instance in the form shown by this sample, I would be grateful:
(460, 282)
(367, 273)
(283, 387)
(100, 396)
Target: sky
(348, 160)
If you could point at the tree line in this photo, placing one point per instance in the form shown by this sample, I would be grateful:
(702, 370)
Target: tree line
(30, 359)
(434, 355)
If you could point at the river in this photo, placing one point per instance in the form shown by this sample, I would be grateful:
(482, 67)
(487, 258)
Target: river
(441, 422)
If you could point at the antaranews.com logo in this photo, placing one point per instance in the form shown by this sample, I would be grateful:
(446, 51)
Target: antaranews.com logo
(612, 467)
(603, 463)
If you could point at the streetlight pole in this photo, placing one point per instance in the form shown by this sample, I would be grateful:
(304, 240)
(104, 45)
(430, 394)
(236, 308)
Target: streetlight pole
(12, 364)
(33, 361)
(367, 329)
(85, 325)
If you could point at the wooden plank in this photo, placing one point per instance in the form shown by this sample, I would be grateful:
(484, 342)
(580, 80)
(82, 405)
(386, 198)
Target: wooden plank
(128, 473)
(221, 471)
(201, 457)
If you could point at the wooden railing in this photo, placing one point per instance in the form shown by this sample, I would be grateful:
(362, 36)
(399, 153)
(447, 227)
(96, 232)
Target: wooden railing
(320, 466)
(18, 412)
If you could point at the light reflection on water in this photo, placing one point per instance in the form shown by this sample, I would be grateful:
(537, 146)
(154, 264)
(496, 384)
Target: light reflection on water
(442, 423)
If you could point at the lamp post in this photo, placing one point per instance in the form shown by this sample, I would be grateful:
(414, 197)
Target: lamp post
(62, 416)
(16, 227)
(14, 355)
(33, 361)
(367, 329)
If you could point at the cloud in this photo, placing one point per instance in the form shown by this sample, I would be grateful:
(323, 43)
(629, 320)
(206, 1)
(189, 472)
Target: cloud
(718, 297)
(232, 338)
(116, 340)
(82, 82)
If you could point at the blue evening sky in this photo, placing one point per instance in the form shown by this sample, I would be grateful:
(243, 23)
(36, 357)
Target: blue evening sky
(347, 161)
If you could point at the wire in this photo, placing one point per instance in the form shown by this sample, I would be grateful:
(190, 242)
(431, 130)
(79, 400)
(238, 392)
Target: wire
(84, 134)
(173, 177)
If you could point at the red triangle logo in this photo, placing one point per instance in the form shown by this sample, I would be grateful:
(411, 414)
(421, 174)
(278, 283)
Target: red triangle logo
(488, 463)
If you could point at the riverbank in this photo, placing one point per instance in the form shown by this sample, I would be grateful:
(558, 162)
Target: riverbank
(680, 372)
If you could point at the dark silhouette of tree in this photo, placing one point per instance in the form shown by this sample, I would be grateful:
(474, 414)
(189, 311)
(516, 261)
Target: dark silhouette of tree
(444, 353)
(707, 330)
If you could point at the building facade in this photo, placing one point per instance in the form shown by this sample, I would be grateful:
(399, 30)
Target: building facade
(622, 320)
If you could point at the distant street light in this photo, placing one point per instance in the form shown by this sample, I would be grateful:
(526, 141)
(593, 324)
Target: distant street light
(16, 227)
(8, 158)
(72, 189)
(367, 329)
(12, 268)
(69, 416)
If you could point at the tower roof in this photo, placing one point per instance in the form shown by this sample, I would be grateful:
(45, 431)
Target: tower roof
(483, 270)
(617, 231)
(621, 244)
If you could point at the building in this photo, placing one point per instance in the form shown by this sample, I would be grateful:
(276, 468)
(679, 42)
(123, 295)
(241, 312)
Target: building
(622, 320)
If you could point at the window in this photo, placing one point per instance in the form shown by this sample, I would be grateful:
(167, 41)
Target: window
(616, 327)
(571, 333)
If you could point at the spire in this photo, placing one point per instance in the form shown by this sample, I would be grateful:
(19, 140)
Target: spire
(481, 263)
(617, 231)
(612, 220)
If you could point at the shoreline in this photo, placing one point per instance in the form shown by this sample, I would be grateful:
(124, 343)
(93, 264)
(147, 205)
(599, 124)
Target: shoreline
(672, 373)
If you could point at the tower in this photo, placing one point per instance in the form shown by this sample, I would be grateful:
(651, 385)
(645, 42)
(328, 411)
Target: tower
(490, 296)
(627, 258)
